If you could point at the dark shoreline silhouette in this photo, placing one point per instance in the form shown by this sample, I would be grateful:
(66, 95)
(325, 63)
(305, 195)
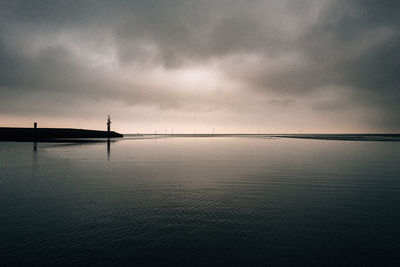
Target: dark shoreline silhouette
(345, 137)
(52, 134)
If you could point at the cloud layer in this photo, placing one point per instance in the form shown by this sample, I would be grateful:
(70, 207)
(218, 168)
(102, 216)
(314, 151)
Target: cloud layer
(238, 66)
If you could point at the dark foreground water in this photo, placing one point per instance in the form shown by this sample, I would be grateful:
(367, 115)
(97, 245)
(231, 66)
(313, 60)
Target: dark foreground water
(201, 201)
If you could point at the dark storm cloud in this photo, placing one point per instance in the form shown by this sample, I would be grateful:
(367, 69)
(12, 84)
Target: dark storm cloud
(357, 43)
(352, 44)
(332, 56)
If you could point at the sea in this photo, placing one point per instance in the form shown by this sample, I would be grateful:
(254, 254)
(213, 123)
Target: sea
(248, 200)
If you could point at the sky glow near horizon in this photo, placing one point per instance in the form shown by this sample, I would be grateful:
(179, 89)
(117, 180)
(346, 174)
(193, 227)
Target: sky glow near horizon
(329, 66)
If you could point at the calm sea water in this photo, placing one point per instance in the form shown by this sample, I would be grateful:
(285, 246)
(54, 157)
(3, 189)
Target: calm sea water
(201, 201)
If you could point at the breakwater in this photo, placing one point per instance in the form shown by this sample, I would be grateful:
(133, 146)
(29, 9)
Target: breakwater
(44, 134)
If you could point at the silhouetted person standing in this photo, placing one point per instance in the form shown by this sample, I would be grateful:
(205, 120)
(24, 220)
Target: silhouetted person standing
(108, 126)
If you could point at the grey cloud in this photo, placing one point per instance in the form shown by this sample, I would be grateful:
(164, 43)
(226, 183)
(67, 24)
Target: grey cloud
(352, 44)
(275, 53)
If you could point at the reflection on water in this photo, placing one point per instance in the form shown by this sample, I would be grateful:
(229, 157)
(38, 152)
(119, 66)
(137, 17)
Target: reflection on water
(108, 148)
(200, 201)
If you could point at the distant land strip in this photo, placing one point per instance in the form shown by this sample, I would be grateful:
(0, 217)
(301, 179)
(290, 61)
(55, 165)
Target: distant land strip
(345, 137)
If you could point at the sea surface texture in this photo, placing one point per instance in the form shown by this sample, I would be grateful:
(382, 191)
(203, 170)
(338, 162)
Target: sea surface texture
(201, 201)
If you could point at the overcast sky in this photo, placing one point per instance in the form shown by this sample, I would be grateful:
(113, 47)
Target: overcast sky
(237, 66)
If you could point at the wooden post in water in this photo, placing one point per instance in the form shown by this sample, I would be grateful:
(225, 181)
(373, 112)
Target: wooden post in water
(34, 136)
(35, 130)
